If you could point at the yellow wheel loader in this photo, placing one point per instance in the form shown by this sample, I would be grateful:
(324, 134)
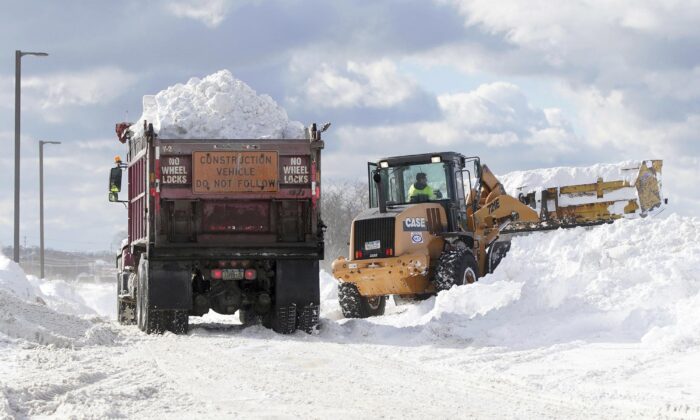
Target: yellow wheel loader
(443, 219)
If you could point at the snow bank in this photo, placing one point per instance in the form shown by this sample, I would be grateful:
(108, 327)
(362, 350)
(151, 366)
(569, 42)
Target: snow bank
(329, 296)
(215, 107)
(631, 281)
(26, 318)
(62, 296)
(539, 179)
(13, 280)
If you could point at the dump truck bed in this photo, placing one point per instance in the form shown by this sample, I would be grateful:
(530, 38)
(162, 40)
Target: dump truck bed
(260, 195)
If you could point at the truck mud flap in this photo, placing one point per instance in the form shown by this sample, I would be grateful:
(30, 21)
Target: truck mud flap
(170, 286)
(297, 296)
(296, 282)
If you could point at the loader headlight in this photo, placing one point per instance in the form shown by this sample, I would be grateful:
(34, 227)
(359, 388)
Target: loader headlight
(383, 164)
(436, 159)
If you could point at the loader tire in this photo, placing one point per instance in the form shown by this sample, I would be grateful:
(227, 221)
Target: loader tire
(354, 305)
(455, 267)
(496, 252)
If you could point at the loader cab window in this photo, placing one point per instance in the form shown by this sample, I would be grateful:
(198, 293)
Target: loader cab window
(413, 184)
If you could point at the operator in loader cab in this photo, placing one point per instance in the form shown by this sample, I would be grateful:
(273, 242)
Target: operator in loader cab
(421, 188)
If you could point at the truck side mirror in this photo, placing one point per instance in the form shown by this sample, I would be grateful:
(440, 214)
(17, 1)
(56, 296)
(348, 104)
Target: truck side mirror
(113, 197)
(115, 180)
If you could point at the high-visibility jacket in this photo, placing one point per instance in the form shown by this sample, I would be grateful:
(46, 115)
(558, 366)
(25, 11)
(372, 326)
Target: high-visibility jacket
(413, 191)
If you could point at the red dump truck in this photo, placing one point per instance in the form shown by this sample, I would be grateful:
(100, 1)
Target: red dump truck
(224, 225)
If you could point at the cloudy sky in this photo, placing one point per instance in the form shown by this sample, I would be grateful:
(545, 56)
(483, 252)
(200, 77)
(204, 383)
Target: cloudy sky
(522, 84)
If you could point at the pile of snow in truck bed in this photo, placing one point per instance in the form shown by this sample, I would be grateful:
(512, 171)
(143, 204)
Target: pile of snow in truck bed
(218, 106)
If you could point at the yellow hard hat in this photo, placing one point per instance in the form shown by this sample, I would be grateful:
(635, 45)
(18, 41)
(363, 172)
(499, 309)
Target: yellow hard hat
(117, 159)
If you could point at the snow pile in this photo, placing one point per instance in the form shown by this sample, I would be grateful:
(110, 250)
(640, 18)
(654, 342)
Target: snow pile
(218, 106)
(631, 281)
(13, 280)
(330, 307)
(25, 316)
(62, 296)
(538, 179)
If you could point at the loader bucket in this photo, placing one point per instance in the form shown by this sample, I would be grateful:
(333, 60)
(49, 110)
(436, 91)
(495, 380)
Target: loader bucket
(635, 191)
(649, 185)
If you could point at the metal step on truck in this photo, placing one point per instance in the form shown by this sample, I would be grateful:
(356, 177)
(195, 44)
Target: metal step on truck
(225, 225)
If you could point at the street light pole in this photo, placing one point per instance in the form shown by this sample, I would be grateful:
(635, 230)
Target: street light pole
(18, 84)
(41, 202)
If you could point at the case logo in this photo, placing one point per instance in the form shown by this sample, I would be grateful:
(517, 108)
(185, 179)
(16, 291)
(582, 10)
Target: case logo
(415, 224)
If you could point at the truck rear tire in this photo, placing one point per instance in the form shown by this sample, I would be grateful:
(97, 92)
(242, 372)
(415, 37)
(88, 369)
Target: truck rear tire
(281, 319)
(148, 319)
(248, 317)
(307, 319)
(455, 267)
(126, 312)
(354, 305)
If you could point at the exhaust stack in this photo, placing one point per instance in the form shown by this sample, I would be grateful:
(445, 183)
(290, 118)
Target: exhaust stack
(377, 177)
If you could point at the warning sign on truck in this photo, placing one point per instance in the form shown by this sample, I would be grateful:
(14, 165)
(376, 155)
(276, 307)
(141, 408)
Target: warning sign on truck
(231, 172)
(175, 170)
(295, 170)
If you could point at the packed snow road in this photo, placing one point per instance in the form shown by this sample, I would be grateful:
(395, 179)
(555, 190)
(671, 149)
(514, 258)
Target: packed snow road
(221, 370)
(583, 323)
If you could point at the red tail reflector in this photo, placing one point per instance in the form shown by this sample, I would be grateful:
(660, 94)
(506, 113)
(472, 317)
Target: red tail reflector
(358, 254)
(389, 252)
(217, 274)
(250, 274)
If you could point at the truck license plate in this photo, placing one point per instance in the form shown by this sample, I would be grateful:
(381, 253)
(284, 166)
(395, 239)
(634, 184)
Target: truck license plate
(372, 245)
(232, 274)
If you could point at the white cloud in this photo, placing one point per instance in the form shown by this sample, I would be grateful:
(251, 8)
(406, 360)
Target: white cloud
(89, 87)
(499, 114)
(377, 84)
(209, 12)
(629, 68)
(76, 206)
(495, 116)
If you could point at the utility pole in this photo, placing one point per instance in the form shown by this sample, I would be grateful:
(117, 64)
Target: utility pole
(18, 86)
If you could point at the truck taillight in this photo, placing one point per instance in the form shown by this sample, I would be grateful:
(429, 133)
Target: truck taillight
(389, 252)
(358, 254)
(217, 274)
(250, 274)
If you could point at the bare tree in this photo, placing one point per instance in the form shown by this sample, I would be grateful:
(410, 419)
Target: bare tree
(340, 203)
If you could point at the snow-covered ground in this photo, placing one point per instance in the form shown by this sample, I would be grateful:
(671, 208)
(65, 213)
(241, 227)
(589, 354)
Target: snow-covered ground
(601, 322)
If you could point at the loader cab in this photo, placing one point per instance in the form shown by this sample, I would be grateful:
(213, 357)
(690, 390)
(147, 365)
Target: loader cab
(391, 179)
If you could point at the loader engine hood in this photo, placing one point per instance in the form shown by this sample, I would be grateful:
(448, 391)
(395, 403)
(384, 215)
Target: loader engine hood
(402, 229)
